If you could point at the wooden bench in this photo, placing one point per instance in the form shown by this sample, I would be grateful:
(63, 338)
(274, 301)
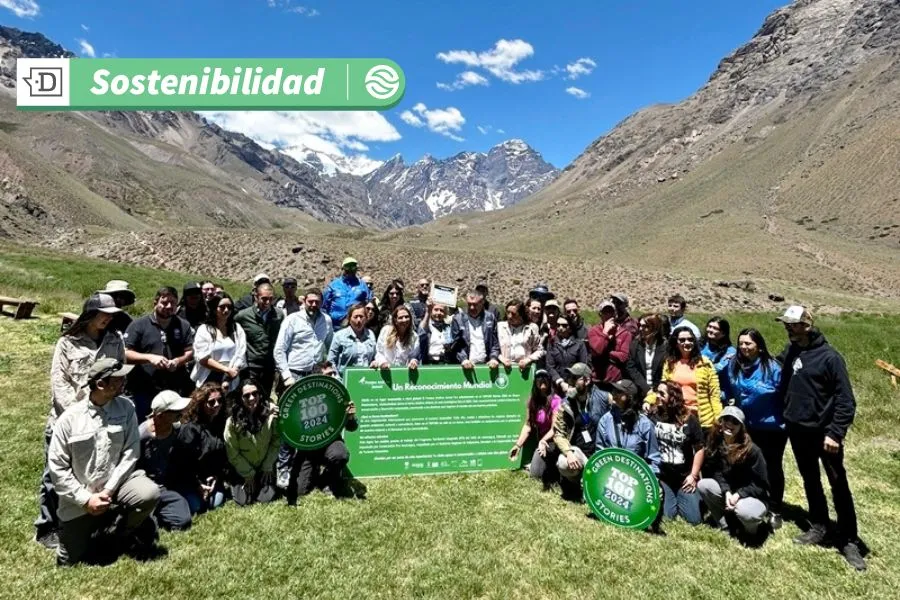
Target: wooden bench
(67, 319)
(23, 307)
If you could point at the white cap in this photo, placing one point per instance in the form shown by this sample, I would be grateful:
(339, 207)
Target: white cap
(261, 277)
(168, 400)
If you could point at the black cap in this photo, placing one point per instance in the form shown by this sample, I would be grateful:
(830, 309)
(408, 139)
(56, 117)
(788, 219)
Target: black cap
(289, 281)
(191, 286)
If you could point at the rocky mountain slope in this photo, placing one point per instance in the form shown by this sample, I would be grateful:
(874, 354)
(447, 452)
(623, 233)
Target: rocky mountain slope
(784, 164)
(327, 188)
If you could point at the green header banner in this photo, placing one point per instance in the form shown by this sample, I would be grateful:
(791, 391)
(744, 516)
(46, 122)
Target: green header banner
(433, 420)
(208, 84)
(621, 488)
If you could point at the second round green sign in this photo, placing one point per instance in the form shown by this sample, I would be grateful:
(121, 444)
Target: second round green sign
(312, 412)
(621, 489)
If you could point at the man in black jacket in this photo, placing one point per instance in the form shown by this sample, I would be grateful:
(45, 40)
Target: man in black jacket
(818, 409)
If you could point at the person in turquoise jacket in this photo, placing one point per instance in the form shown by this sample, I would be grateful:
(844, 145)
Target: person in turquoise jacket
(716, 346)
(752, 385)
(343, 292)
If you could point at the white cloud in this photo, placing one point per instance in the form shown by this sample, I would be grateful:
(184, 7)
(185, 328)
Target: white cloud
(500, 131)
(464, 79)
(86, 48)
(410, 119)
(500, 61)
(288, 6)
(578, 92)
(330, 132)
(484, 130)
(22, 8)
(445, 121)
(582, 66)
(85, 27)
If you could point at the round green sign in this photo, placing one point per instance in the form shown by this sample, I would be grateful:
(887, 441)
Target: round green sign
(621, 489)
(312, 412)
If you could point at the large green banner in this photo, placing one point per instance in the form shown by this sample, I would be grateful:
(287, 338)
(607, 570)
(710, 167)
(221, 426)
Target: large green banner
(434, 420)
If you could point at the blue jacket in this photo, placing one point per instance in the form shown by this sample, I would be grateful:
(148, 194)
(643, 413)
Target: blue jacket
(347, 350)
(425, 344)
(757, 396)
(642, 441)
(459, 336)
(342, 293)
(721, 360)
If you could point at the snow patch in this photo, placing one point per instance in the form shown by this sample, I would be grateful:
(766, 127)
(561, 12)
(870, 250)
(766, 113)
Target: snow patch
(442, 199)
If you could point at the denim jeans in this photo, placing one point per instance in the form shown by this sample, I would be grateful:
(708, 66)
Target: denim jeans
(677, 502)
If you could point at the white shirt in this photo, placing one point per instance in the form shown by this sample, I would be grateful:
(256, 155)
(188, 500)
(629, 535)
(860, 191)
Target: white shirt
(436, 340)
(397, 355)
(649, 353)
(477, 350)
(230, 351)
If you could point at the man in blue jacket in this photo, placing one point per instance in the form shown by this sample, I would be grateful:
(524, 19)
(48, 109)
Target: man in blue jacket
(473, 334)
(343, 292)
(819, 408)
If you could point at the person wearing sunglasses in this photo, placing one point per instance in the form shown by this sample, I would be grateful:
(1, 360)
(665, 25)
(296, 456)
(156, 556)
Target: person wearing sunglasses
(198, 463)
(252, 442)
(695, 374)
(220, 346)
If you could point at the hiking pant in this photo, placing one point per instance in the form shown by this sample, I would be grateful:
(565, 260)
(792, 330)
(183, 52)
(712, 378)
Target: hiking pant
(750, 512)
(48, 501)
(808, 447)
(563, 466)
(172, 513)
(332, 459)
(544, 468)
(136, 499)
(772, 444)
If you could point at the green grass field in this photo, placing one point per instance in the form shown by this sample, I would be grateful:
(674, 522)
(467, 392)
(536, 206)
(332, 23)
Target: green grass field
(493, 535)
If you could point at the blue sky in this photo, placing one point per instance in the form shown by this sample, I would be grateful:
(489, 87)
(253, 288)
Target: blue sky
(514, 56)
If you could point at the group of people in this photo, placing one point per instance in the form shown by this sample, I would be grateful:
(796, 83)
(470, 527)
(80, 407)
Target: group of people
(157, 419)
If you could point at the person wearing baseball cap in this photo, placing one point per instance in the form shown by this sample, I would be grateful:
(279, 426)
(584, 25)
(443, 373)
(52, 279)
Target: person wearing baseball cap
(343, 292)
(249, 299)
(735, 486)
(291, 303)
(552, 310)
(89, 477)
(574, 428)
(89, 338)
(623, 317)
(819, 407)
(625, 426)
(158, 434)
(609, 345)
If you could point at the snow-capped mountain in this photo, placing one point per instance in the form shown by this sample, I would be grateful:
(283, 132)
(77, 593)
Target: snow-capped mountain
(469, 181)
(330, 164)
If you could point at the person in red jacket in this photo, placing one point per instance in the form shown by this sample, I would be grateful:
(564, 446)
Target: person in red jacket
(609, 344)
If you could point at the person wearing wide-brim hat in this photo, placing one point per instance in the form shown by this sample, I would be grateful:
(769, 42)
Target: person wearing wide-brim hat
(123, 296)
(735, 486)
(88, 339)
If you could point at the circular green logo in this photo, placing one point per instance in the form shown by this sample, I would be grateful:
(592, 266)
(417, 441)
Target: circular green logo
(502, 381)
(621, 489)
(312, 412)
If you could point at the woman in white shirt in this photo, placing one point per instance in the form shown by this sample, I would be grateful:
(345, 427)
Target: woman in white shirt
(398, 344)
(520, 341)
(220, 346)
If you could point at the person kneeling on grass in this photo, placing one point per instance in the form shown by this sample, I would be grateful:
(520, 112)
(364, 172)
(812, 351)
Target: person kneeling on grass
(736, 486)
(625, 427)
(252, 443)
(326, 466)
(574, 427)
(158, 435)
(92, 457)
(541, 406)
(681, 448)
